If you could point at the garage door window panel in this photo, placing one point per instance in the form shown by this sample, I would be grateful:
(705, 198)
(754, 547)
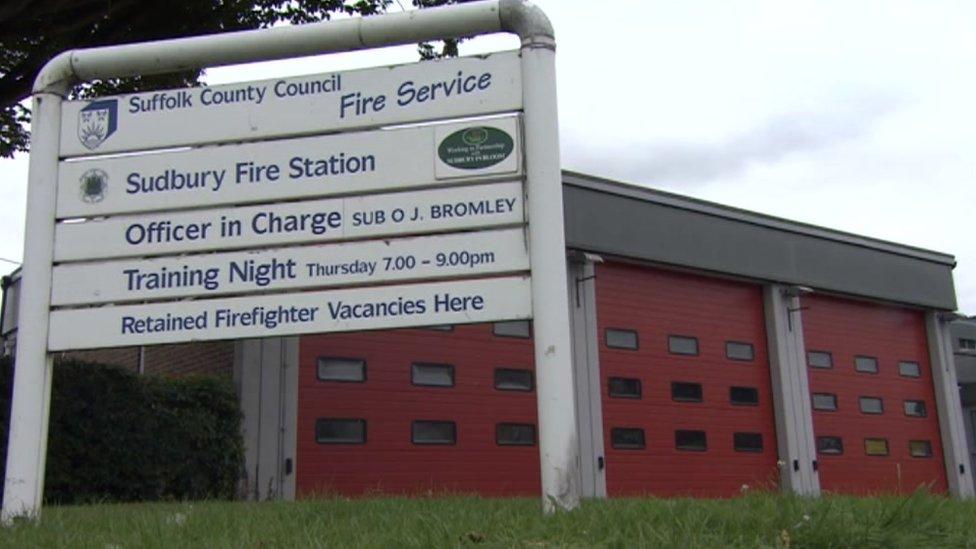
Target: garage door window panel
(345, 370)
(623, 387)
(915, 408)
(513, 379)
(340, 431)
(513, 328)
(434, 432)
(825, 402)
(876, 446)
(686, 392)
(820, 359)
(744, 396)
(432, 375)
(866, 364)
(737, 350)
(747, 442)
(515, 434)
(627, 438)
(871, 405)
(909, 369)
(920, 448)
(683, 345)
(831, 446)
(690, 441)
(619, 338)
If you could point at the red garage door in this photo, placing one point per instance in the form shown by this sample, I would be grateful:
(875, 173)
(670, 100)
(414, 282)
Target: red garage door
(411, 411)
(687, 405)
(874, 407)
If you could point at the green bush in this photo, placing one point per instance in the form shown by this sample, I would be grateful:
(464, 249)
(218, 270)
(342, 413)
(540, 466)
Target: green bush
(117, 436)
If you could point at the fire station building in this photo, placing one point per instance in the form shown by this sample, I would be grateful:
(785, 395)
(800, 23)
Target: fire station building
(714, 349)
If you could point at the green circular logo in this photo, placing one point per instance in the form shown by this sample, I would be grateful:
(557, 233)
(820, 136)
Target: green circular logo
(475, 136)
(475, 148)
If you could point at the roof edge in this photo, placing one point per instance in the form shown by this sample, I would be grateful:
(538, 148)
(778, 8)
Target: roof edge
(674, 200)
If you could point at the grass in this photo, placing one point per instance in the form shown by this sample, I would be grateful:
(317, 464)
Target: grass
(754, 520)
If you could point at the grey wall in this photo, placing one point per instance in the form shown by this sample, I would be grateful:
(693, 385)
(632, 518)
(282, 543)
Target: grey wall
(658, 227)
(9, 305)
(965, 359)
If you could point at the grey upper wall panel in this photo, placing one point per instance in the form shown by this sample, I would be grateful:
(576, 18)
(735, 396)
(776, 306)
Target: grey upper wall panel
(964, 328)
(611, 218)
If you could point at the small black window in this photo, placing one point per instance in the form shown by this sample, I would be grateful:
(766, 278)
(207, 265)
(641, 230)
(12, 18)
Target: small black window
(833, 446)
(909, 369)
(871, 405)
(686, 392)
(432, 375)
(515, 434)
(693, 441)
(623, 387)
(820, 359)
(511, 379)
(513, 328)
(627, 438)
(920, 448)
(440, 327)
(340, 431)
(915, 408)
(876, 446)
(736, 350)
(683, 345)
(967, 344)
(350, 370)
(621, 339)
(434, 432)
(825, 401)
(747, 442)
(744, 396)
(866, 364)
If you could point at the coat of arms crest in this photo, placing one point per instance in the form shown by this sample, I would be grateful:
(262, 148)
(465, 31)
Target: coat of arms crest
(97, 122)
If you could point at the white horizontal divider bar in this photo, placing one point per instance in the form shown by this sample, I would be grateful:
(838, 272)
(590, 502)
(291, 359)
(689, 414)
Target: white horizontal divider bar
(375, 308)
(305, 105)
(294, 268)
(370, 216)
(349, 163)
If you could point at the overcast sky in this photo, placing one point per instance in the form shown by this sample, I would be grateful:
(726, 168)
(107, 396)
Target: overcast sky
(854, 115)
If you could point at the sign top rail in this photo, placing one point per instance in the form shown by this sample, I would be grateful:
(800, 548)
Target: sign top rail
(473, 18)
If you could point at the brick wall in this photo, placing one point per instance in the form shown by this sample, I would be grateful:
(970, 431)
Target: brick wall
(210, 358)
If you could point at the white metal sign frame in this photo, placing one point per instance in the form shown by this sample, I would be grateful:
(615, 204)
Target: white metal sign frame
(558, 448)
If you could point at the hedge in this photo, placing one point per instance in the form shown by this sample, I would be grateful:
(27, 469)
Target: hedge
(118, 436)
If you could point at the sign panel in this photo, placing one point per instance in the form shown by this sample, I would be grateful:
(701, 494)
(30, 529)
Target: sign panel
(329, 165)
(458, 302)
(304, 267)
(438, 210)
(304, 105)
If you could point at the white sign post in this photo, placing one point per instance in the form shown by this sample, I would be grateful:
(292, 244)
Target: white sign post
(223, 234)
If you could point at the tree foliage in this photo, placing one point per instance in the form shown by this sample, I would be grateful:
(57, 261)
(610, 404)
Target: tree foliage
(34, 31)
(118, 436)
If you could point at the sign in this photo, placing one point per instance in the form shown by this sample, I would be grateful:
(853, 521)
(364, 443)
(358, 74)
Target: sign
(241, 181)
(438, 210)
(304, 105)
(368, 262)
(377, 308)
(342, 164)
(470, 149)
